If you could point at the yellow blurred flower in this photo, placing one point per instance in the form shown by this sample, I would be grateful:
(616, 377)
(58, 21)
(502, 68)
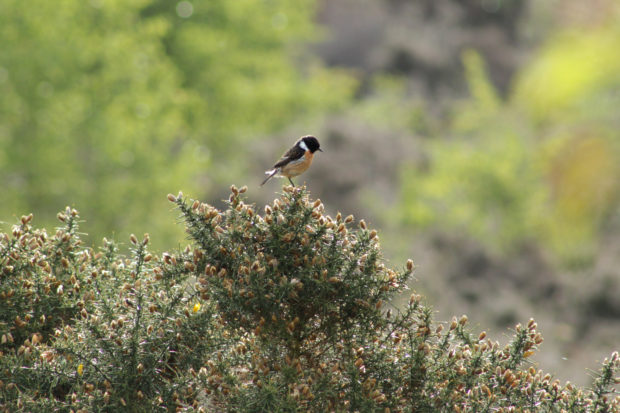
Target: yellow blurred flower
(196, 307)
(80, 369)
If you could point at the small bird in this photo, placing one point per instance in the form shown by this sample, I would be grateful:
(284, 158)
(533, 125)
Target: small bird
(296, 160)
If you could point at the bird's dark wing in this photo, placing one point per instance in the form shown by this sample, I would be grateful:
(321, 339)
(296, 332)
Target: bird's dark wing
(291, 155)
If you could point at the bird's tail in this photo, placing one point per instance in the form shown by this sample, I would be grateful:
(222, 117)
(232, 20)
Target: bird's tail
(271, 175)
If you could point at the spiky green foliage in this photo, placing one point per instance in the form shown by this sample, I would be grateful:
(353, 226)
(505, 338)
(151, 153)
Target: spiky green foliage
(282, 312)
(42, 284)
(131, 332)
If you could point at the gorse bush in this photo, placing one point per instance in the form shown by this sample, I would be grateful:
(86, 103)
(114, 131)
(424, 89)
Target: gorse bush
(303, 291)
(293, 275)
(42, 284)
(281, 312)
(116, 331)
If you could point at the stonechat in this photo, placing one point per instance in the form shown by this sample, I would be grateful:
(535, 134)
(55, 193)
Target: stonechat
(296, 160)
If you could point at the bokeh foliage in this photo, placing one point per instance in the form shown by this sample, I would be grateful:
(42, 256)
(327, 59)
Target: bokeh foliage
(541, 164)
(107, 105)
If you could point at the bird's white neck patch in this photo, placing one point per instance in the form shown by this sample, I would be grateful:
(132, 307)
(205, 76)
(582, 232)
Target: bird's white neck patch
(303, 146)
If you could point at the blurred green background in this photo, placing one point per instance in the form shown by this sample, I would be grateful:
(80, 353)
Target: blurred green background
(482, 136)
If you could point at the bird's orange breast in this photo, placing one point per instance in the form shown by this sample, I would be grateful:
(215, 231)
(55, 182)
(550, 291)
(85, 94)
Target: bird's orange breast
(297, 167)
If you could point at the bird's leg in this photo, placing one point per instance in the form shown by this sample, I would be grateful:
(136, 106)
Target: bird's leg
(291, 181)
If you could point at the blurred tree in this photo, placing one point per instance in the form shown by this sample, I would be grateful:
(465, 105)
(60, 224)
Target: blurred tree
(237, 56)
(110, 105)
(542, 165)
(571, 95)
(92, 112)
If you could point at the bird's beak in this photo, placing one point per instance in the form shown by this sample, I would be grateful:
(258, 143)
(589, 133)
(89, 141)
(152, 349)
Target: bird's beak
(320, 149)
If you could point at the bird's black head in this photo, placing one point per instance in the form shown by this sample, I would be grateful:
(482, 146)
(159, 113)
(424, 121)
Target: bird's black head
(311, 143)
